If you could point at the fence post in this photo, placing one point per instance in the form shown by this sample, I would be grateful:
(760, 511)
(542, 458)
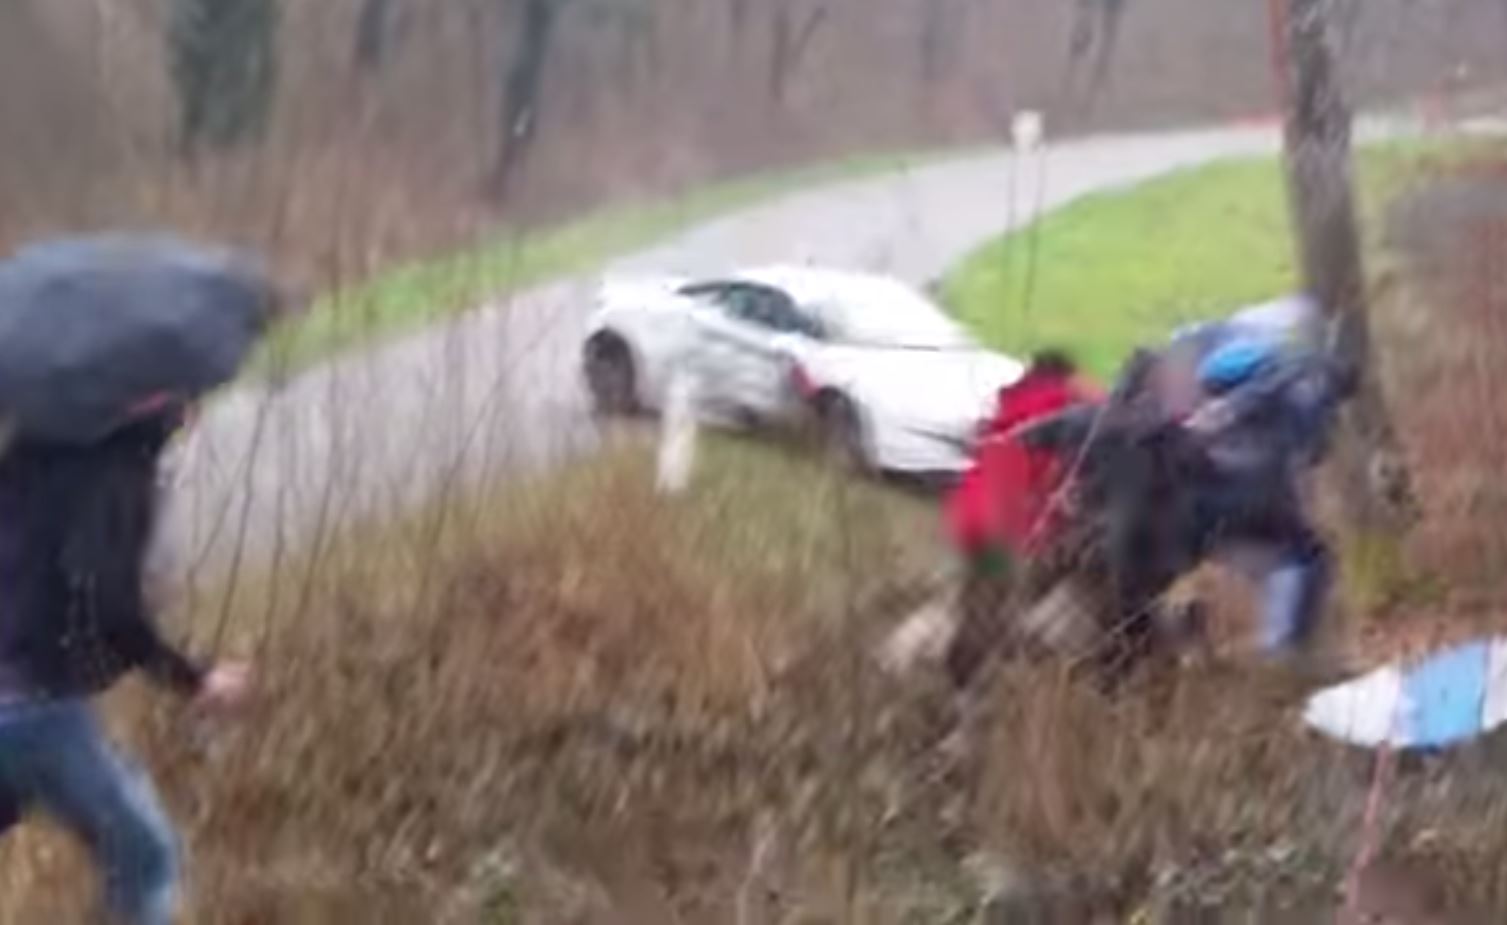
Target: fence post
(677, 433)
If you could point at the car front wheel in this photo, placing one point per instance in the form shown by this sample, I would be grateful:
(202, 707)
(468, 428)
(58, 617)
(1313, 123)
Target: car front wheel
(610, 376)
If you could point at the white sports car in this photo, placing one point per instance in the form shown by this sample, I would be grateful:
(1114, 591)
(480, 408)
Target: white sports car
(896, 384)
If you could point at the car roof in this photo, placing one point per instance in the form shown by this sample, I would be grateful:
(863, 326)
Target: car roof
(865, 305)
(836, 294)
(810, 283)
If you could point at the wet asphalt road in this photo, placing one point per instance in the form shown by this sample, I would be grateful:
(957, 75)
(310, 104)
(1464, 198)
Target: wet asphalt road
(388, 428)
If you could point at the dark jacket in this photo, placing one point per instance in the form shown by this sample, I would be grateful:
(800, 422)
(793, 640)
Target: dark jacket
(1276, 424)
(75, 525)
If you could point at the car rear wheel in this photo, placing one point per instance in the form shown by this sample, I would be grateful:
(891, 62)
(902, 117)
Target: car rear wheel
(610, 376)
(840, 428)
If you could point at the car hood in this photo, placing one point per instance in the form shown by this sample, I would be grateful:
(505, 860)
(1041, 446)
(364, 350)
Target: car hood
(946, 391)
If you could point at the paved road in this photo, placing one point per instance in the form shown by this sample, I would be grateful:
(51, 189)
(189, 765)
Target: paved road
(387, 429)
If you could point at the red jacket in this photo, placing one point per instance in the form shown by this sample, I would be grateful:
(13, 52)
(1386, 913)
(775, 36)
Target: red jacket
(1003, 498)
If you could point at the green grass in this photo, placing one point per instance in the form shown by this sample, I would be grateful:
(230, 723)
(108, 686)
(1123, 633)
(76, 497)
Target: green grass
(1118, 269)
(412, 295)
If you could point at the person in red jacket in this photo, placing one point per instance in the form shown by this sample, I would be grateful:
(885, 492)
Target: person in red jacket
(1002, 510)
(1000, 506)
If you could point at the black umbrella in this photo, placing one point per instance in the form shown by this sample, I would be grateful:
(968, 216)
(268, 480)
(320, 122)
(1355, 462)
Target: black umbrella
(94, 329)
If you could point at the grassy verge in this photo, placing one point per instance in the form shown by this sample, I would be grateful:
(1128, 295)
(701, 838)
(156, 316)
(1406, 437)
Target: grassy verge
(1119, 269)
(420, 293)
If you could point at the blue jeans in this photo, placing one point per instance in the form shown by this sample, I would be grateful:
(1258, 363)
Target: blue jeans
(54, 758)
(1293, 580)
(1263, 532)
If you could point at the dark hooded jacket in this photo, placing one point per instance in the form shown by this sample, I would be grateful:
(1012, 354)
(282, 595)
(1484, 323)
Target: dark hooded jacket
(75, 526)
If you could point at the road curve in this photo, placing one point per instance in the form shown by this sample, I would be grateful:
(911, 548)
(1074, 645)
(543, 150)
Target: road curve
(270, 471)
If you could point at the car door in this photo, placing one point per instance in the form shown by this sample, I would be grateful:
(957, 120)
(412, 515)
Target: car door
(796, 331)
(745, 335)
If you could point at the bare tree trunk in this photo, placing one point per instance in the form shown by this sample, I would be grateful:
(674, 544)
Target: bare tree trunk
(779, 51)
(1111, 17)
(937, 37)
(1094, 39)
(375, 29)
(523, 84)
(1318, 157)
(789, 45)
(223, 65)
(737, 18)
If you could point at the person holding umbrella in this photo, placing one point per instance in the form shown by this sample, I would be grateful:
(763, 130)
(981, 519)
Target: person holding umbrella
(105, 343)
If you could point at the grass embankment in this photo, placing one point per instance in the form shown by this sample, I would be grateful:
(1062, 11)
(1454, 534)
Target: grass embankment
(1120, 269)
(423, 292)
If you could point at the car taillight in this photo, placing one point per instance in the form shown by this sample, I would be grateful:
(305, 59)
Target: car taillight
(805, 386)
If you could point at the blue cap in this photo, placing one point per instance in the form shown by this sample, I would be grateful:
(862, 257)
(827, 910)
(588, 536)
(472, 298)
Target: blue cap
(1234, 362)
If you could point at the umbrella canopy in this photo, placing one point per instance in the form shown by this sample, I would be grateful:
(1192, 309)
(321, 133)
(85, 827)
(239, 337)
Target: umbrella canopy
(1446, 698)
(94, 329)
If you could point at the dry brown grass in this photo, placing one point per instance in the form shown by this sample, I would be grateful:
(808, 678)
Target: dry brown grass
(581, 702)
(1440, 316)
(623, 692)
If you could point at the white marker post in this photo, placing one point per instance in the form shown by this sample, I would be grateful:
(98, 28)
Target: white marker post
(677, 433)
(922, 636)
(1027, 130)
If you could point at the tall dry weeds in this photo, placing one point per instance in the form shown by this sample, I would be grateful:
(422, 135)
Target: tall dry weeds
(626, 701)
(1445, 317)
(670, 714)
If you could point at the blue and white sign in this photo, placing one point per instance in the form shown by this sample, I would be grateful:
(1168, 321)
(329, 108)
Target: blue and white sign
(1444, 699)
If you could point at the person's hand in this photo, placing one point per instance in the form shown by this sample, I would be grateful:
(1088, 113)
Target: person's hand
(225, 687)
(1210, 418)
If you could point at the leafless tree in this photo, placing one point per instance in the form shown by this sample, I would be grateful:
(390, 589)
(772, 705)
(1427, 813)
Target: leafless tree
(793, 30)
(377, 26)
(1321, 190)
(737, 18)
(532, 40)
(224, 68)
(1095, 38)
(941, 23)
(530, 34)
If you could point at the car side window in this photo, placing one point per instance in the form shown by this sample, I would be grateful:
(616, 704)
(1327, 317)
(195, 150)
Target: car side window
(731, 299)
(713, 293)
(748, 304)
(802, 322)
(777, 311)
(762, 306)
(780, 313)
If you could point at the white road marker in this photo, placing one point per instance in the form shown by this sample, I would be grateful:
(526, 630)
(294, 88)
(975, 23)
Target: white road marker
(677, 435)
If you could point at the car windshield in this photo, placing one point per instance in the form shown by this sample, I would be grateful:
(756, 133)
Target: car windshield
(892, 317)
